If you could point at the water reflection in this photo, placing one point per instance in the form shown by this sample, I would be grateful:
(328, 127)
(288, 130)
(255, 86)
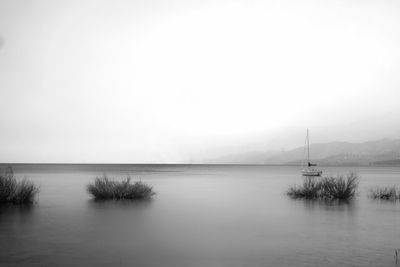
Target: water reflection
(385, 201)
(20, 211)
(328, 205)
(119, 204)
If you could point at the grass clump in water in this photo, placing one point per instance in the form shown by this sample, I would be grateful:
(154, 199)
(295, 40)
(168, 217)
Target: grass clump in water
(310, 189)
(331, 187)
(16, 192)
(340, 187)
(385, 193)
(104, 188)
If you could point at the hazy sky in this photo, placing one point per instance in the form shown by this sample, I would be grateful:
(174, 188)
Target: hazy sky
(167, 81)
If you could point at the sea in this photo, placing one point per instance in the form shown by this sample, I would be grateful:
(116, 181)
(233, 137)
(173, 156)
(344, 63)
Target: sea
(201, 215)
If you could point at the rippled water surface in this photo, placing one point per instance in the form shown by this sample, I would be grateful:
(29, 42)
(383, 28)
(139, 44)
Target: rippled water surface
(201, 216)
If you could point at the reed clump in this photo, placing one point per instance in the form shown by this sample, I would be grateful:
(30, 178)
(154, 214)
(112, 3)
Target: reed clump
(310, 189)
(331, 187)
(16, 192)
(385, 193)
(104, 188)
(340, 187)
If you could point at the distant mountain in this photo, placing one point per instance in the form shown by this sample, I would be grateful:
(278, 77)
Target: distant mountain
(243, 158)
(387, 162)
(385, 151)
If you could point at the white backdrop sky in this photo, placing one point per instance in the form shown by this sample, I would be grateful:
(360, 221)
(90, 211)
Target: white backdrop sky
(167, 81)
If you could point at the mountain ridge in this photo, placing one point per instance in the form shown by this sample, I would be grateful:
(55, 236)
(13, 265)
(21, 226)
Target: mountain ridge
(378, 152)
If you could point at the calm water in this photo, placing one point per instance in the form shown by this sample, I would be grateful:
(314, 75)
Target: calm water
(201, 216)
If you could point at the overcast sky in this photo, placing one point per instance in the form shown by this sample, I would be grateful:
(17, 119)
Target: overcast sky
(168, 81)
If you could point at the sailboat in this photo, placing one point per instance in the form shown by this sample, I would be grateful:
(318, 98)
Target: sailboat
(309, 170)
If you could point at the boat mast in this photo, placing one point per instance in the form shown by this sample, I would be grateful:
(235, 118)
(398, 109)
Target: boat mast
(308, 149)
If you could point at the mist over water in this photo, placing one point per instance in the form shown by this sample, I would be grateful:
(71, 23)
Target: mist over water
(201, 216)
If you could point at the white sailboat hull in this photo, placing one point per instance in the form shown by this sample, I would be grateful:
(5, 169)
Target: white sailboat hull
(311, 172)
